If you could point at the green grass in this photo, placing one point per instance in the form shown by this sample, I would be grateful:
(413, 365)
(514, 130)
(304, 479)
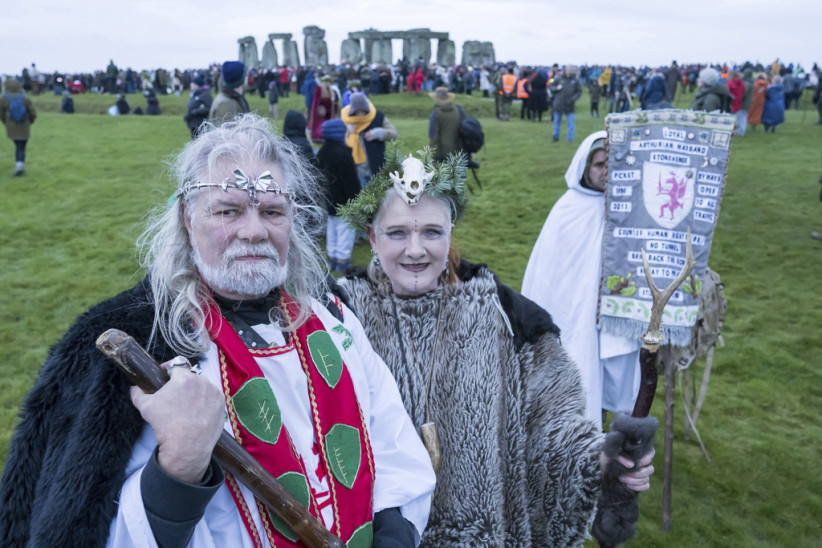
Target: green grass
(69, 225)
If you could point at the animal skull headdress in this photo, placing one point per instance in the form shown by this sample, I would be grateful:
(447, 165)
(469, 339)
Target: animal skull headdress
(413, 181)
(445, 179)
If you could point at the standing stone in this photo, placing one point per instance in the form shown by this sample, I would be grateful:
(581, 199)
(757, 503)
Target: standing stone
(269, 55)
(316, 51)
(477, 53)
(381, 51)
(350, 51)
(291, 55)
(416, 44)
(446, 53)
(248, 52)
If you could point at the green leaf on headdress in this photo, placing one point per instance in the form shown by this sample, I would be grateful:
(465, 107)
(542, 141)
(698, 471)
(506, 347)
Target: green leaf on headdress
(448, 181)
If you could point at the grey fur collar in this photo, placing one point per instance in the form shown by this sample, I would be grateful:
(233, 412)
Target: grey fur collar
(520, 462)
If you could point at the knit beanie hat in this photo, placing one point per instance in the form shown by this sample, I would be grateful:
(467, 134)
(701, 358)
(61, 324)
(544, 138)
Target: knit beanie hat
(233, 74)
(198, 80)
(359, 102)
(333, 130)
(709, 76)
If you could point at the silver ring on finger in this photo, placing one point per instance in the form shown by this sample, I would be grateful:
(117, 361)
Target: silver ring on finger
(181, 361)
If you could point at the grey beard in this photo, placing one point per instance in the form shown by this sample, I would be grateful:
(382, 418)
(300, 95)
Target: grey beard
(241, 278)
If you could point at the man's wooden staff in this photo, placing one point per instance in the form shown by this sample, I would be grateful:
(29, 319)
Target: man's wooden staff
(143, 371)
(618, 510)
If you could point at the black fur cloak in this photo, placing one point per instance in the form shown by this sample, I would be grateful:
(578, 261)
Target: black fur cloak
(68, 455)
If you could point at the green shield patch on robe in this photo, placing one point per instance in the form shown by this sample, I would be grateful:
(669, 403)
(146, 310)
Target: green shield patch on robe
(326, 357)
(257, 410)
(363, 537)
(296, 484)
(342, 447)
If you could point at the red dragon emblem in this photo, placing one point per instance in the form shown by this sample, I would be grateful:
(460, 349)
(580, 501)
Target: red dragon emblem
(675, 190)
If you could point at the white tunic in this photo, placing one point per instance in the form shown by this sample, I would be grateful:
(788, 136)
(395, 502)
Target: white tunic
(563, 276)
(403, 472)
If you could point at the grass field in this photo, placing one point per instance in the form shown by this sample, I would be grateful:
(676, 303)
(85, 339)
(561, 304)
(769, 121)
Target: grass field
(67, 242)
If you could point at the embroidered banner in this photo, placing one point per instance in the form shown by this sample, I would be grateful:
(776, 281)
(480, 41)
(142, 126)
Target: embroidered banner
(666, 172)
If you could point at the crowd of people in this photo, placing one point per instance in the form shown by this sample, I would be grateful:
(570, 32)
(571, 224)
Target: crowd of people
(417, 401)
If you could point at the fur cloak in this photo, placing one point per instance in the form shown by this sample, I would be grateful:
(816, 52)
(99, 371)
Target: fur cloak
(520, 463)
(68, 456)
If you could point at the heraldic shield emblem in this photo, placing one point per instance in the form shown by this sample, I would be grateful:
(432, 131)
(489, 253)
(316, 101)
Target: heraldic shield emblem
(668, 193)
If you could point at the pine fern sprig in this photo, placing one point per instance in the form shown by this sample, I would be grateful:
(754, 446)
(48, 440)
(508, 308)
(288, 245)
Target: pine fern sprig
(448, 181)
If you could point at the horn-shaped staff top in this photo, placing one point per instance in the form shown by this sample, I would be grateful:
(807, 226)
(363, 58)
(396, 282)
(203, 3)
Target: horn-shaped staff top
(654, 337)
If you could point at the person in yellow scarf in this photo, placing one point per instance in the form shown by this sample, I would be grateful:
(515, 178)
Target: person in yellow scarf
(368, 130)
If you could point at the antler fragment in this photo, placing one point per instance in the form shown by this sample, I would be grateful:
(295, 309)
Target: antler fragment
(654, 337)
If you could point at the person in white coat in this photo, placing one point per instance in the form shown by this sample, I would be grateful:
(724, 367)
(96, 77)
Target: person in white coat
(563, 276)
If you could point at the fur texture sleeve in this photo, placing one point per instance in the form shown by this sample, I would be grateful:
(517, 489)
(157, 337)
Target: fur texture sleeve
(563, 447)
(68, 455)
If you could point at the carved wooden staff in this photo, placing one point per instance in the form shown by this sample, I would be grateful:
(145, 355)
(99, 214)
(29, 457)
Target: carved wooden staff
(653, 338)
(143, 371)
(618, 510)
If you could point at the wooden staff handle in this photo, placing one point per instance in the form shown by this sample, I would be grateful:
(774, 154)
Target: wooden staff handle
(143, 371)
(648, 380)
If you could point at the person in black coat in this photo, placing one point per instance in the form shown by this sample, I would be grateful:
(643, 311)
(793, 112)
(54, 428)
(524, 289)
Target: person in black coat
(342, 184)
(538, 101)
(199, 105)
(294, 131)
(67, 106)
(122, 105)
(152, 104)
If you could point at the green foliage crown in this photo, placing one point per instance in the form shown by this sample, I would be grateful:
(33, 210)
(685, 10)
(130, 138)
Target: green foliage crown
(448, 181)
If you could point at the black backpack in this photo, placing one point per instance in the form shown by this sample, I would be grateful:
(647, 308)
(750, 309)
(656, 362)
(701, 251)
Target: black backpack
(472, 139)
(725, 102)
(471, 133)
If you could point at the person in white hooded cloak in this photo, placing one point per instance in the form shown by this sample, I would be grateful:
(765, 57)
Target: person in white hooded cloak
(563, 276)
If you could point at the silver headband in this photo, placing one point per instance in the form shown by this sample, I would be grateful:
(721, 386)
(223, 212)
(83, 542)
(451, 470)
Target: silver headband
(264, 183)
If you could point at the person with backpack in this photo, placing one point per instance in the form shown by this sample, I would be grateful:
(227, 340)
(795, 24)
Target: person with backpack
(712, 94)
(444, 124)
(450, 130)
(17, 114)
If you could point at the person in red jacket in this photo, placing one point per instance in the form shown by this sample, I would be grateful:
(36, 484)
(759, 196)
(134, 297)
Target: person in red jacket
(736, 86)
(284, 77)
(418, 80)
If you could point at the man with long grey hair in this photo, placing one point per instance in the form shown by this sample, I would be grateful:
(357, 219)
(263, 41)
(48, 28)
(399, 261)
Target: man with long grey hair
(235, 290)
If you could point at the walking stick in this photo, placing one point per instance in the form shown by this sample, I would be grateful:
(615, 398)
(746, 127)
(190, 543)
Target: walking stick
(618, 510)
(143, 371)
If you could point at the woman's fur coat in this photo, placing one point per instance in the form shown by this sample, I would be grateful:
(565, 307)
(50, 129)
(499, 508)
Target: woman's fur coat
(520, 464)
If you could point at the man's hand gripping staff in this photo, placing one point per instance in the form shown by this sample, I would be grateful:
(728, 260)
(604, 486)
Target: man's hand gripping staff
(629, 445)
(144, 372)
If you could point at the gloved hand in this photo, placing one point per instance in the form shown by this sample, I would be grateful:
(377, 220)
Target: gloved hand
(376, 134)
(626, 457)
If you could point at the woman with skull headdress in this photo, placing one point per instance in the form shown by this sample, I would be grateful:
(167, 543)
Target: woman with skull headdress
(480, 369)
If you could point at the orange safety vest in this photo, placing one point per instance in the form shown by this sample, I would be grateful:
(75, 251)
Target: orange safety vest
(508, 83)
(521, 91)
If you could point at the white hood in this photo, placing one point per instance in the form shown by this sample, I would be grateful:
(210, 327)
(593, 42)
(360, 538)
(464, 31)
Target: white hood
(577, 168)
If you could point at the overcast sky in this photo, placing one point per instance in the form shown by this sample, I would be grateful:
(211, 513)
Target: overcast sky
(84, 35)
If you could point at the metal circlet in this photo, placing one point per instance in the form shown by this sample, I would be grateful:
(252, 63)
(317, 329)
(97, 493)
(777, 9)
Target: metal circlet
(264, 183)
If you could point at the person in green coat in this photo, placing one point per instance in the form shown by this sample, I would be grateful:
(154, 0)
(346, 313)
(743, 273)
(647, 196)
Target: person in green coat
(17, 131)
(444, 124)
